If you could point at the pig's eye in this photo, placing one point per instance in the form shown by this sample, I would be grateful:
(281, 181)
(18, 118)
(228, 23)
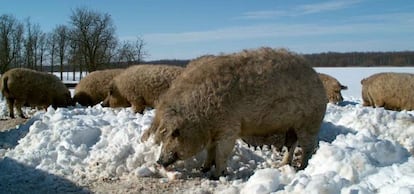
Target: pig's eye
(176, 133)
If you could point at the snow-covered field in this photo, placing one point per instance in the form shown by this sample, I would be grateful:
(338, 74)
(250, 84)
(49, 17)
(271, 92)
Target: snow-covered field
(361, 150)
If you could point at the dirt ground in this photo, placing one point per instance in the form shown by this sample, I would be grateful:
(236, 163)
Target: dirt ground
(150, 185)
(8, 124)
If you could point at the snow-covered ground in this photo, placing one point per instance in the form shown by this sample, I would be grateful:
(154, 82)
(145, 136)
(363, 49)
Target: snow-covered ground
(361, 150)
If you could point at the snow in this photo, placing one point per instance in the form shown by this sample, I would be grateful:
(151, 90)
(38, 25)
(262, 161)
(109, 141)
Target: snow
(361, 150)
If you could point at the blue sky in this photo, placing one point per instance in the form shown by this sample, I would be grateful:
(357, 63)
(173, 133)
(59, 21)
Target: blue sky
(184, 29)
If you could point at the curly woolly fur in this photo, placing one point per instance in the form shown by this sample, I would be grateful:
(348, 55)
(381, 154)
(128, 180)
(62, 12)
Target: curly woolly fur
(333, 88)
(205, 59)
(140, 86)
(93, 88)
(393, 91)
(26, 87)
(256, 93)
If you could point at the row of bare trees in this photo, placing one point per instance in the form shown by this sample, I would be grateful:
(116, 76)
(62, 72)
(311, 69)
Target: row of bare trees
(87, 43)
(361, 59)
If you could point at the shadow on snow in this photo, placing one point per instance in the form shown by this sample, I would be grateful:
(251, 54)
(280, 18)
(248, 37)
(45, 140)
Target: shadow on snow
(16, 177)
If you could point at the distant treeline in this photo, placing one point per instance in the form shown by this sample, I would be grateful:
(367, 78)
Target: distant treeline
(361, 59)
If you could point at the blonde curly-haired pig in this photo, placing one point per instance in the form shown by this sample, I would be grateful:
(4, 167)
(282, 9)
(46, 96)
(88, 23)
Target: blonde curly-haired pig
(393, 91)
(93, 88)
(257, 93)
(140, 86)
(333, 88)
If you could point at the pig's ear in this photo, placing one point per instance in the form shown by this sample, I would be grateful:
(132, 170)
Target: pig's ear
(163, 131)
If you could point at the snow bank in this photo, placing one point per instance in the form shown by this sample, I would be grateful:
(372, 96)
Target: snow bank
(361, 149)
(84, 143)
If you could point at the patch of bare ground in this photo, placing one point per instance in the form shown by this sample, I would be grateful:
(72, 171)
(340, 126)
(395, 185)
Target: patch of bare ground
(8, 124)
(149, 185)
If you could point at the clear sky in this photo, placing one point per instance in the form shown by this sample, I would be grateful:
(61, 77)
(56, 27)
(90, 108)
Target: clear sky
(184, 29)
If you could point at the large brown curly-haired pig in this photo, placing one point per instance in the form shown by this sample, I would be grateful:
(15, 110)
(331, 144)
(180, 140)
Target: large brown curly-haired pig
(26, 87)
(393, 91)
(93, 88)
(140, 86)
(333, 88)
(257, 93)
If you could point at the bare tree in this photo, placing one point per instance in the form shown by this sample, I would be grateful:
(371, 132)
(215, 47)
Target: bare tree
(51, 46)
(62, 39)
(31, 45)
(125, 52)
(94, 33)
(41, 49)
(11, 35)
(140, 53)
(75, 59)
(131, 52)
(18, 42)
